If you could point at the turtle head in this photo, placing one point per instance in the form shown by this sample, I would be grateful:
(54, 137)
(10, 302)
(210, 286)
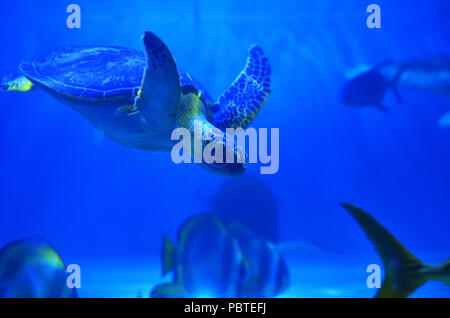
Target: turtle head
(221, 158)
(213, 148)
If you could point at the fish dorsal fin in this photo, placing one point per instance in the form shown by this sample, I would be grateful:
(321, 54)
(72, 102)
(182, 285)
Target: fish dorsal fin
(169, 255)
(402, 269)
(157, 99)
(238, 106)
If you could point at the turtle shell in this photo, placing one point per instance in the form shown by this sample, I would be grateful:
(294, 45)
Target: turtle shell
(96, 72)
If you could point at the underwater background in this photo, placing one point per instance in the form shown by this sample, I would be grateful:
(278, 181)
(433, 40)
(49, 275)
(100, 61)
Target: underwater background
(106, 206)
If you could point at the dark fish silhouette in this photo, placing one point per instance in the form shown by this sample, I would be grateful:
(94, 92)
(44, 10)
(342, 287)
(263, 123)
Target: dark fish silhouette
(430, 74)
(369, 88)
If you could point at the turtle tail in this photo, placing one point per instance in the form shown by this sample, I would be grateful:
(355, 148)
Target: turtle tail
(16, 82)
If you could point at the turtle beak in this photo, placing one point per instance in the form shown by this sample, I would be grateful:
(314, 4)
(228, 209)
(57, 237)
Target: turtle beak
(229, 168)
(239, 164)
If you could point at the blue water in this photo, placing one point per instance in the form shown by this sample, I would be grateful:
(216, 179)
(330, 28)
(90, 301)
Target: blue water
(106, 206)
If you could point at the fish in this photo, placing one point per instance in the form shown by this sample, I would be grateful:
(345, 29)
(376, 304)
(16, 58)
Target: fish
(31, 268)
(207, 262)
(429, 74)
(214, 259)
(370, 87)
(267, 272)
(404, 273)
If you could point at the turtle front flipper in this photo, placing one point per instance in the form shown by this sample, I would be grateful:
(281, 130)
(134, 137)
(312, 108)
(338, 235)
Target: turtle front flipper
(158, 96)
(239, 105)
(15, 82)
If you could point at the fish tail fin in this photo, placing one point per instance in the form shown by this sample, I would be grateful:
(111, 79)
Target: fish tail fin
(396, 93)
(169, 252)
(16, 82)
(394, 81)
(403, 271)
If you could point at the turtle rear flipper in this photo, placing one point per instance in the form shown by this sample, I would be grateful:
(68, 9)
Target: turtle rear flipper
(158, 96)
(15, 82)
(241, 102)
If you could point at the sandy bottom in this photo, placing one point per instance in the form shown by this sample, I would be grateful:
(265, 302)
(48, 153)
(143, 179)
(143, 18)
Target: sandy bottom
(313, 276)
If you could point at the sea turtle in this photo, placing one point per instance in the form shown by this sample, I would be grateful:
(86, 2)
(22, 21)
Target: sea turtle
(138, 99)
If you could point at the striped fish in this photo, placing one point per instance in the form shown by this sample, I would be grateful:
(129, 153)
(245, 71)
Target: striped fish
(207, 261)
(267, 273)
(214, 260)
